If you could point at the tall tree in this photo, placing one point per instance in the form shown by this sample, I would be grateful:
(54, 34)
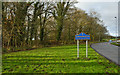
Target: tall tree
(13, 22)
(59, 13)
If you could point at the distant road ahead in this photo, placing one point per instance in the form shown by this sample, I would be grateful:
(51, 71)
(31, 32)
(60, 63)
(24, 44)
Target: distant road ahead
(107, 50)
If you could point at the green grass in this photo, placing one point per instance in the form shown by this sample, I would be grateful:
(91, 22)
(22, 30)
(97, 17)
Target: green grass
(60, 59)
(115, 44)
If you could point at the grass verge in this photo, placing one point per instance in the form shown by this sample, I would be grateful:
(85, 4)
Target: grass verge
(60, 59)
(115, 44)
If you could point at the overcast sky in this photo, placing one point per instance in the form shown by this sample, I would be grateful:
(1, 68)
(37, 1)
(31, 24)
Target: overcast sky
(107, 10)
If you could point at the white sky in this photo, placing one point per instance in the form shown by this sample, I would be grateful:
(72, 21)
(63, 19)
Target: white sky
(108, 10)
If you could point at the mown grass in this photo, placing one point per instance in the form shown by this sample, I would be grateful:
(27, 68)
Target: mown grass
(60, 59)
(114, 43)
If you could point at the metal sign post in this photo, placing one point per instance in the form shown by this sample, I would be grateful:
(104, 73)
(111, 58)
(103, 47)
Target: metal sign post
(77, 48)
(82, 36)
(86, 48)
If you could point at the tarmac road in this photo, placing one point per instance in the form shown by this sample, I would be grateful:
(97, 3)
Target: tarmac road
(108, 50)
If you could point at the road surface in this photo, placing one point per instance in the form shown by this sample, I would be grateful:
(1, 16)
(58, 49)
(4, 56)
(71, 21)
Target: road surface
(108, 50)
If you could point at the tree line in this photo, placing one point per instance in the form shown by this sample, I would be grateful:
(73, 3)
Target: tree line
(29, 25)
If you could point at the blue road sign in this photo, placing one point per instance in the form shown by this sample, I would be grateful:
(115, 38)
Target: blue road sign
(82, 36)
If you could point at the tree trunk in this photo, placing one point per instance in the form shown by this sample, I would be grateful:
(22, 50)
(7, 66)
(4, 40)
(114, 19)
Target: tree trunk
(41, 34)
(60, 28)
